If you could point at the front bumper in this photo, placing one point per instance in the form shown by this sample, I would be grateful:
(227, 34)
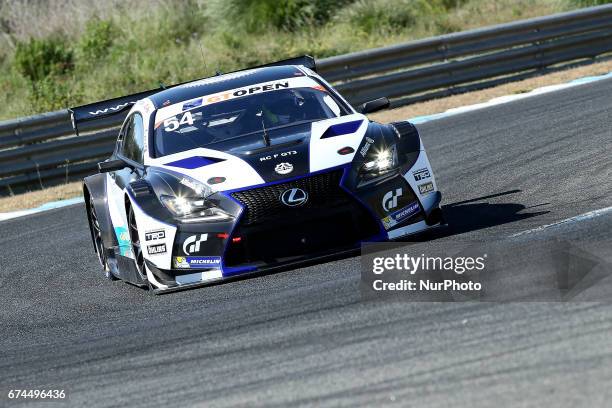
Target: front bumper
(268, 235)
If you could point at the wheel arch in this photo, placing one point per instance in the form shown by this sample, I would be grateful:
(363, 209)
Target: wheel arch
(95, 187)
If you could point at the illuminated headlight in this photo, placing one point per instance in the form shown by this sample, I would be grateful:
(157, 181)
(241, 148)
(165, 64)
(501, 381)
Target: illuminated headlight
(194, 207)
(384, 161)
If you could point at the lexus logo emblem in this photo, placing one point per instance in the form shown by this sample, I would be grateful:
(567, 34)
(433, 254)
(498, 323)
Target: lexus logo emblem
(294, 197)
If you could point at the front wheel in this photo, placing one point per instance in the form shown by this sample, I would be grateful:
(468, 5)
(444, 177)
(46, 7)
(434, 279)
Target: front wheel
(136, 247)
(98, 243)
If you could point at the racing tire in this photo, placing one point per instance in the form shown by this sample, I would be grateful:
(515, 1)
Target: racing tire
(136, 246)
(98, 242)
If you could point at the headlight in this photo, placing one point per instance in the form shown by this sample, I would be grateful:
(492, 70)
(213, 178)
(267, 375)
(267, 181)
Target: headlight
(384, 161)
(194, 209)
(192, 205)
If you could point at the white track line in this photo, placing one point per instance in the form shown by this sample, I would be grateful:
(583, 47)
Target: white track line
(582, 217)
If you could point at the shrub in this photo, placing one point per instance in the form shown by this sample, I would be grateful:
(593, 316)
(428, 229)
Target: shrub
(178, 23)
(285, 15)
(50, 94)
(385, 16)
(590, 3)
(38, 59)
(96, 40)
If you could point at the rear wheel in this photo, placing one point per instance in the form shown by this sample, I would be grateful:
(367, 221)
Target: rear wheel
(136, 247)
(98, 243)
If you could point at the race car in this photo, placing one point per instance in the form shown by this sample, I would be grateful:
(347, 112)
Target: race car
(246, 172)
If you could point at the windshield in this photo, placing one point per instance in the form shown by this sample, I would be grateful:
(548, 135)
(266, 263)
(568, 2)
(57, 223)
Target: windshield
(219, 121)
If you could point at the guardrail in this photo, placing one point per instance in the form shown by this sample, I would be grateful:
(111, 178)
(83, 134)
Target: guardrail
(42, 150)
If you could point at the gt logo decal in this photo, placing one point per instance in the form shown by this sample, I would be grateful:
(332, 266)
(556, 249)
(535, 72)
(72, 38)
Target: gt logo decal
(389, 200)
(192, 244)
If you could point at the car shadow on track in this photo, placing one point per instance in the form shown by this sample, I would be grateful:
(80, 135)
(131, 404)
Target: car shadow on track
(476, 214)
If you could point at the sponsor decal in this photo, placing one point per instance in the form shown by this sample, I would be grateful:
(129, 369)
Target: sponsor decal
(216, 180)
(283, 168)
(123, 239)
(192, 104)
(421, 174)
(112, 109)
(400, 215)
(156, 249)
(389, 200)
(294, 197)
(277, 155)
(426, 188)
(192, 244)
(197, 262)
(366, 146)
(155, 235)
(171, 111)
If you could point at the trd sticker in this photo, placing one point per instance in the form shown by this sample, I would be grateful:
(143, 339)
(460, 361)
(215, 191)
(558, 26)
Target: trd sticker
(426, 188)
(421, 174)
(155, 235)
(196, 262)
(156, 249)
(400, 215)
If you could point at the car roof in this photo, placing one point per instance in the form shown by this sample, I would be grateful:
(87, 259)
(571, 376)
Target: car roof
(222, 83)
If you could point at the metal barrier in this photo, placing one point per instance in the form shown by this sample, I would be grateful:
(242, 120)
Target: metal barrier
(42, 150)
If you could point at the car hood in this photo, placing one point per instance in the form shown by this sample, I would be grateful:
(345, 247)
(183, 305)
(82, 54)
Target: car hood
(293, 151)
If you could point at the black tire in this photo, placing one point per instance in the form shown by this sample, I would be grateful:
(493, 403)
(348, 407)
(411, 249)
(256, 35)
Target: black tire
(98, 242)
(136, 247)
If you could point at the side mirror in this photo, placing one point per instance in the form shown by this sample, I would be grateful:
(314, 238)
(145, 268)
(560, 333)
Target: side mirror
(112, 165)
(374, 105)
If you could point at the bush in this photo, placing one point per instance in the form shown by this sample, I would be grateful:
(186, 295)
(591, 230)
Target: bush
(50, 94)
(37, 59)
(286, 15)
(96, 40)
(590, 3)
(179, 23)
(386, 16)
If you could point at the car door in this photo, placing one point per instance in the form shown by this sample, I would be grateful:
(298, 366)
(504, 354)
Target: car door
(130, 149)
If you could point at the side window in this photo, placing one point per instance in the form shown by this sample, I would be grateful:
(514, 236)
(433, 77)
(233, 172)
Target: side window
(133, 139)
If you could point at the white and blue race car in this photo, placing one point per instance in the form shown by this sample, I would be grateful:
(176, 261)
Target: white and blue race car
(250, 171)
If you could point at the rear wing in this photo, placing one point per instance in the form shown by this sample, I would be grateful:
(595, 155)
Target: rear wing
(112, 112)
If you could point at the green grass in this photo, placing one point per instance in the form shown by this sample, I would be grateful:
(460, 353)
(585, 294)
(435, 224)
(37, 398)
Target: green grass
(106, 55)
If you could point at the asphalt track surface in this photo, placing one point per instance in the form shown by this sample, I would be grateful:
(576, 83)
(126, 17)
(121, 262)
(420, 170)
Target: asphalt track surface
(306, 336)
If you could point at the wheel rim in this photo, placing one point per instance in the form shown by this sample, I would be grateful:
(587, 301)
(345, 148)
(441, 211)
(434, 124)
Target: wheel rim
(97, 234)
(136, 243)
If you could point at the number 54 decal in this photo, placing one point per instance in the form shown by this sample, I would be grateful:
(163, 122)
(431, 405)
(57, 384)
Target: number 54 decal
(172, 124)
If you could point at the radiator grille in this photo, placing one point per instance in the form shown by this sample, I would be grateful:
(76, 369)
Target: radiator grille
(263, 204)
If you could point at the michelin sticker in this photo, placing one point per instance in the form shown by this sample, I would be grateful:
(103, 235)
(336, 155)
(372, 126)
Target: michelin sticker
(197, 262)
(400, 215)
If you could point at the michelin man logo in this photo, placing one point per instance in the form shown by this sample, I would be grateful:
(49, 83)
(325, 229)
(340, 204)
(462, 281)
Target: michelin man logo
(389, 200)
(192, 244)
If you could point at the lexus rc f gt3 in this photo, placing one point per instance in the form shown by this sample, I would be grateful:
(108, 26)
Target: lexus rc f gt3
(250, 171)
